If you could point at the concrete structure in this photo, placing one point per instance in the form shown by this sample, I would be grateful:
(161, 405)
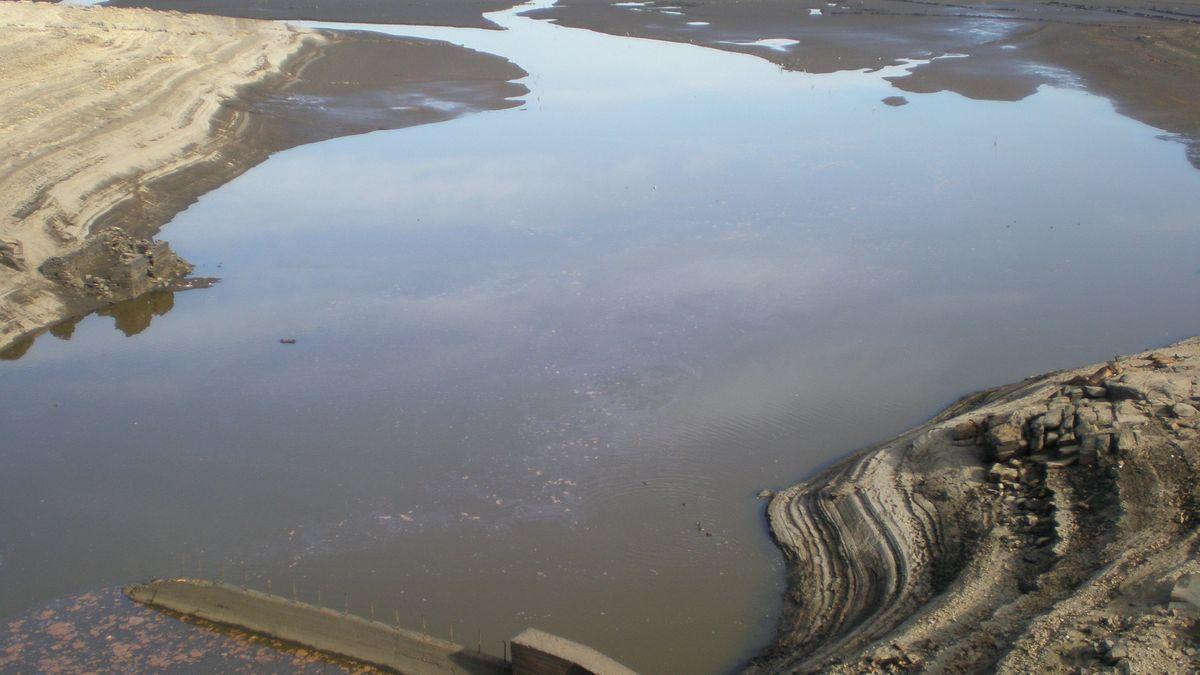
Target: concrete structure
(350, 636)
(315, 627)
(538, 653)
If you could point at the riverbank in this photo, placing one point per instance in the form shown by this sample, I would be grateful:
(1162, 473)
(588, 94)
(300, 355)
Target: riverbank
(117, 119)
(1042, 526)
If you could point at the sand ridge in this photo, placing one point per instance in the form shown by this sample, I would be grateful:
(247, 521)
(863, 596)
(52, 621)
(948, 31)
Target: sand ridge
(1044, 526)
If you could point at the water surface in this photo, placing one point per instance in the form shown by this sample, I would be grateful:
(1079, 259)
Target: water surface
(546, 357)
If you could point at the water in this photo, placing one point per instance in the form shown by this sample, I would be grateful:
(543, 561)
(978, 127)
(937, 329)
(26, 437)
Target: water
(543, 353)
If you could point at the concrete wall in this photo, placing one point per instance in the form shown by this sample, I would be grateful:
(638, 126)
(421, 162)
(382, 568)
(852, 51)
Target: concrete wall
(538, 653)
(316, 627)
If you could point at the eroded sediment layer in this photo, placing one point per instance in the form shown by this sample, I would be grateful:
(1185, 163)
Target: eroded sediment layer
(1040, 526)
(119, 118)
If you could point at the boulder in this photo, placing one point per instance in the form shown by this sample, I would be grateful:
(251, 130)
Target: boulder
(1185, 594)
(1121, 391)
(1183, 411)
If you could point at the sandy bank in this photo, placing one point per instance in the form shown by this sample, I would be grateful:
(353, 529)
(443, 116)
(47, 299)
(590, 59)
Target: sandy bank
(464, 13)
(1037, 527)
(116, 119)
(88, 97)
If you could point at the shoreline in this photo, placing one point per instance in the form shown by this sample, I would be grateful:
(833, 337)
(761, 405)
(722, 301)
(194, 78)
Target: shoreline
(1039, 526)
(84, 238)
(1144, 58)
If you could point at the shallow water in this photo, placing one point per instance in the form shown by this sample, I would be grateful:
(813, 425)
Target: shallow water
(542, 354)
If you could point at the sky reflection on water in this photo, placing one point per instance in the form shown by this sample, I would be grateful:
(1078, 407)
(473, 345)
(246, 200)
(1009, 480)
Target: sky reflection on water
(541, 352)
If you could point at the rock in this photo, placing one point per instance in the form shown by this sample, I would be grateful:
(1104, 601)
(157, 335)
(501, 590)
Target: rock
(1004, 436)
(1183, 411)
(766, 494)
(1126, 441)
(1122, 391)
(1037, 505)
(1095, 392)
(1086, 421)
(12, 254)
(1185, 594)
(1037, 434)
(965, 430)
(1004, 473)
(115, 265)
(1053, 418)
(1128, 414)
(1162, 360)
(1068, 450)
(1094, 445)
(1062, 463)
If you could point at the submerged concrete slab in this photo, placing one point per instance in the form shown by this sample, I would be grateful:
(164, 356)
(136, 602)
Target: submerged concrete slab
(319, 628)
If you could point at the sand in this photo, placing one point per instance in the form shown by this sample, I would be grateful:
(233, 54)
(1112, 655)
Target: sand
(88, 97)
(1042, 526)
(113, 120)
(463, 13)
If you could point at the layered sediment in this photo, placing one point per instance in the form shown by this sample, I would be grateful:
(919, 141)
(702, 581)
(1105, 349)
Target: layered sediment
(91, 99)
(114, 120)
(1038, 527)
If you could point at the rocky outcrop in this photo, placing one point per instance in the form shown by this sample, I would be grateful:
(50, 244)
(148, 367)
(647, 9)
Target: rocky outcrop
(1038, 526)
(115, 266)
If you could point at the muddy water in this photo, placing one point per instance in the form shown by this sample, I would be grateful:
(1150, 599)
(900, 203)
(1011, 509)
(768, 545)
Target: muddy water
(546, 357)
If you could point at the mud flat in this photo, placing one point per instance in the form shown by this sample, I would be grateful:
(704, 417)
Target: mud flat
(1043, 526)
(1145, 56)
(116, 119)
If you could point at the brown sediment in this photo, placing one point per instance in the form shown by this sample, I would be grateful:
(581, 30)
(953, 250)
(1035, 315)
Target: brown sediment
(114, 120)
(1036, 527)
(1143, 55)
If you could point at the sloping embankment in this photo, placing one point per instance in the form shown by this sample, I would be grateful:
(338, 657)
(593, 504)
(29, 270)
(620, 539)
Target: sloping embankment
(1036, 527)
(88, 99)
(116, 119)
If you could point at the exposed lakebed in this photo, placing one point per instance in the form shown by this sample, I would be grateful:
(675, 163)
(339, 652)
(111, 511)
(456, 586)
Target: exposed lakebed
(545, 357)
